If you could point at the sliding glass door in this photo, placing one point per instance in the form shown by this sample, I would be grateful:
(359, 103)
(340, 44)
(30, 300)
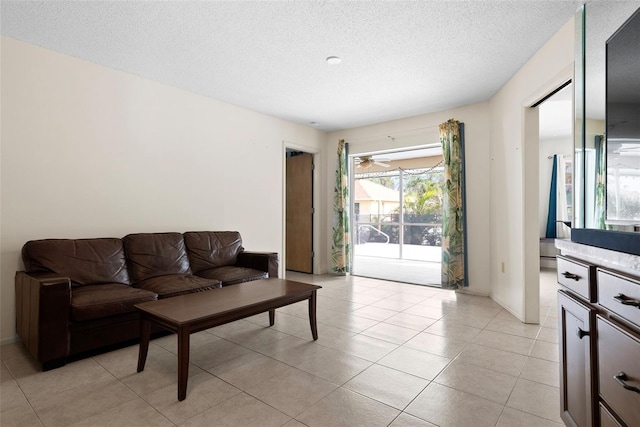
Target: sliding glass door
(377, 201)
(397, 216)
(422, 214)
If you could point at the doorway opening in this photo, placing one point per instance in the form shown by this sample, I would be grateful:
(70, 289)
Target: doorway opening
(555, 213)
(396, 226)
(555, 172)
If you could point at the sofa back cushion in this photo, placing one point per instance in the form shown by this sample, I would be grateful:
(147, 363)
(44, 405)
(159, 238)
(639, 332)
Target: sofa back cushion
(209, 249)
(84, 261)
(155, 254)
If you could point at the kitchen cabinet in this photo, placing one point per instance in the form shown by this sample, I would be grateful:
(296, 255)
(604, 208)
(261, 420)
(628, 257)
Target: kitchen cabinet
(599, 344)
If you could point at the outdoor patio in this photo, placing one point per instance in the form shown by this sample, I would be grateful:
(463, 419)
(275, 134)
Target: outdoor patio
(420, 264)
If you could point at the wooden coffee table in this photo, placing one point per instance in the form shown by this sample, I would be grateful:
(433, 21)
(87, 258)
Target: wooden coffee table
(186, 314)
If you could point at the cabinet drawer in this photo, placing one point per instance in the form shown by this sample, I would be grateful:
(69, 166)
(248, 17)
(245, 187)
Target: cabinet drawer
(619, 294)
(619, 366)
(577, 277)
(606, 419)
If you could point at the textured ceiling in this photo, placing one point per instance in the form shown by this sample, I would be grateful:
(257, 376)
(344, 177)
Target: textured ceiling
(399, 58)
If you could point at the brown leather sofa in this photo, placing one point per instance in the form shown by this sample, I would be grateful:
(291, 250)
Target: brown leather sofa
(77, 296)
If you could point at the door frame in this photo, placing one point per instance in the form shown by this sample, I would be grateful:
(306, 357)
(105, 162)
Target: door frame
(352, 173)
(530, 194)
(315, 203)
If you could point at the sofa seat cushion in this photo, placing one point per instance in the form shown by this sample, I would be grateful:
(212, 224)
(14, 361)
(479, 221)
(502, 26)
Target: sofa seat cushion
(178, 284)
(231, 275)
(96, 301)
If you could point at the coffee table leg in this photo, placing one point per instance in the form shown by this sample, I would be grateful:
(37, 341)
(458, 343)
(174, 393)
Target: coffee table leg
(183, 362)
(272, 317)
(312, 315)
(145, 333)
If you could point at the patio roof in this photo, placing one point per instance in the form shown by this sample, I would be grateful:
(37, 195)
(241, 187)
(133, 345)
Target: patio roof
(367, 190)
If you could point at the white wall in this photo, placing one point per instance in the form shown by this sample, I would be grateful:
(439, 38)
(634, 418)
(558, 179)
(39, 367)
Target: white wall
(593, 128)
(89, 151)
(423, 130)
(514, 175)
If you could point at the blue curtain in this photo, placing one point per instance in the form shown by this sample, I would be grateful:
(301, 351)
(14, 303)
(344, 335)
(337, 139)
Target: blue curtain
(551, 216)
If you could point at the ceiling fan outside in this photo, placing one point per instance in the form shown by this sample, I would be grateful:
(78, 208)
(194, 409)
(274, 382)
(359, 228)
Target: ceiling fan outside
(365, 162)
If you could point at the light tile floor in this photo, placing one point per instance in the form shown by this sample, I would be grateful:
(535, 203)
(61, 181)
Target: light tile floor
(388, 354)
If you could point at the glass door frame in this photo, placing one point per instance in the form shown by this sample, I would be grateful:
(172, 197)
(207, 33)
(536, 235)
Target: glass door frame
(401, 223)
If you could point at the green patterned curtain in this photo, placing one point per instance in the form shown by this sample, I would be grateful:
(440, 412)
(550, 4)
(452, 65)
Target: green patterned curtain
(601, 177)
(453, 217)
(340, 247)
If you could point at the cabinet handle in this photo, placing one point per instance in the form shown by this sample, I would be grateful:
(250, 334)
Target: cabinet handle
(621, 378)
(568, 275)
(625, 300)
(581, 333)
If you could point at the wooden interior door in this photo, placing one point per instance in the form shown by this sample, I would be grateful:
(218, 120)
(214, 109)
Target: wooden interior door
(299, 213)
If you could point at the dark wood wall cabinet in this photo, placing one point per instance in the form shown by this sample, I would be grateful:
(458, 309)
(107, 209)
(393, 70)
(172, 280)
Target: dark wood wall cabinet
(599, 342)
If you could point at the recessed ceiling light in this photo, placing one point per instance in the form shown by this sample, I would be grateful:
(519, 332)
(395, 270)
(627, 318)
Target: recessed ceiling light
(333, 60)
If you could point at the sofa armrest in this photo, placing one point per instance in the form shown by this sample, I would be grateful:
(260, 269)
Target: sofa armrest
(43, 304)
(263, 261)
